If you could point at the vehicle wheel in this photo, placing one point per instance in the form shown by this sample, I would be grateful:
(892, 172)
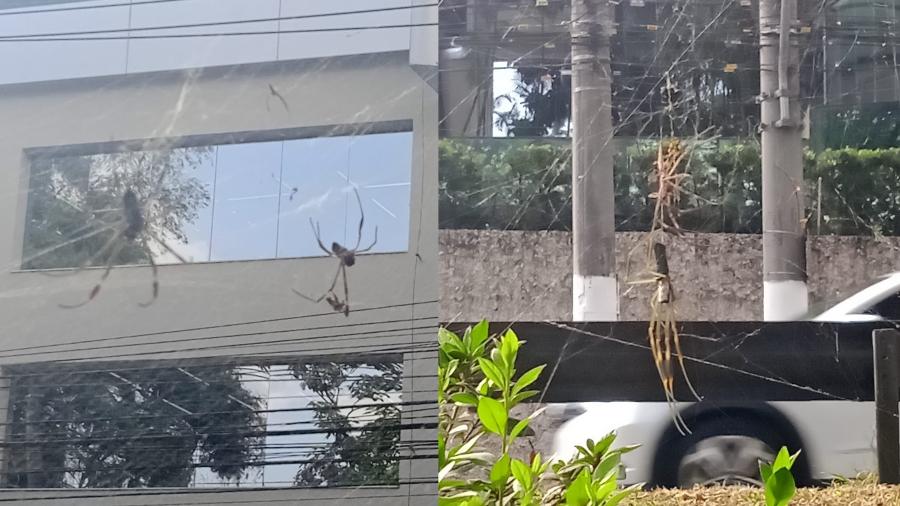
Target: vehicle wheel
(719, 451)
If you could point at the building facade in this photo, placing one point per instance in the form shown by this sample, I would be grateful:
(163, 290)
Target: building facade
(233, 126)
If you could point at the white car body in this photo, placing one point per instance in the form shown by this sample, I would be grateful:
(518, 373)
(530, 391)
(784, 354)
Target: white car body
(838, 436)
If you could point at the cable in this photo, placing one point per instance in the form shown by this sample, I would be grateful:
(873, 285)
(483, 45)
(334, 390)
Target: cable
(85, 7)
(336, 337)
(217, 34)
(222, 23)
(224, 325)
(348, 494)
(372, 348)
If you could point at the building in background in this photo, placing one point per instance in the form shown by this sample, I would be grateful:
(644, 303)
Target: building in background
(193, 142)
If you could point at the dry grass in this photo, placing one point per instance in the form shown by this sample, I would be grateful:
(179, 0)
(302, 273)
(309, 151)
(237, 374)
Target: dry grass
(853, 493)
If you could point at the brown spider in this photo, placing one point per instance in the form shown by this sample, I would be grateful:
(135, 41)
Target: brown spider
(668, 184)
(132, 227)
(346, 258)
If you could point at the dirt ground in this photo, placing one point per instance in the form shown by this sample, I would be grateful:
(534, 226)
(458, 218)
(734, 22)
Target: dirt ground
(865, 493)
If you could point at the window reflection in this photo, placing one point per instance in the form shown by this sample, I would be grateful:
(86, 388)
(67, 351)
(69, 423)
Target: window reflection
(242, 201)
(246, 202)
(286, 423)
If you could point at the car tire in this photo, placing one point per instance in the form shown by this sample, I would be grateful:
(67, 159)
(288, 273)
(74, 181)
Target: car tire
(722, 450)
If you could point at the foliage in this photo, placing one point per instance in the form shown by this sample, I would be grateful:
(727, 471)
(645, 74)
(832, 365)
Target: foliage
(777, 478)
(74, 202)
(527, 186)
(860, 190)
(546, 98)
(477, 389)
(364, 440)
(128, 429)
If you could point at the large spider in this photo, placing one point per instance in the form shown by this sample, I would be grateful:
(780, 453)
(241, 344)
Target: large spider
(346, 258)
(130, 228)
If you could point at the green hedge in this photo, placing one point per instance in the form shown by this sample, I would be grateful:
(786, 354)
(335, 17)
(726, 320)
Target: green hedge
(526, 185)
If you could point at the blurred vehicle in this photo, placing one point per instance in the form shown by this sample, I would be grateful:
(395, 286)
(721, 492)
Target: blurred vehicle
(726, 442)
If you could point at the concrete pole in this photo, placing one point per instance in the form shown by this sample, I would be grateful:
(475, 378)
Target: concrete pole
(594, 286)
(785, 295)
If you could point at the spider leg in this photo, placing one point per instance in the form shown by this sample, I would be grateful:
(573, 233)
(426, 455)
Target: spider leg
(327, 292)
(362, 220)
(367, 248)
(316, 232)
(346, 291)
(96, 289)
(165, 245)
(155, 274)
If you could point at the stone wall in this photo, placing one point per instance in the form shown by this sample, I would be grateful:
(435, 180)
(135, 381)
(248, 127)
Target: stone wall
(519, 275)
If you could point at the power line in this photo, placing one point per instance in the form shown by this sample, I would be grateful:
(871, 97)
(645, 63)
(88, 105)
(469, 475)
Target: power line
(338, 337)
(224, 325)
(52, 38)
(219, 23)
(220, 34)
(347, 494)
(84, 7)
(400, 331)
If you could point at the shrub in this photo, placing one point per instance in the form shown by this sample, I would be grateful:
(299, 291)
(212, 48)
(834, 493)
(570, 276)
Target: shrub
(478, 387)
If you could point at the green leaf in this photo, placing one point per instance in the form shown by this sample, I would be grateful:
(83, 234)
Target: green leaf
(604, 444)
(465, 398)
(782, 460)
(500, 471)
(780, 488)
(521, 396)
(793, 458)
(492, 372)
(509, 348)
(608, 468)
(603, 489)
(577, 493)
(527, 378)
(522, 473)
(616, 498)
(492, 415)
(765, 471)
(445, 470)
(478, 335)
(518, 428)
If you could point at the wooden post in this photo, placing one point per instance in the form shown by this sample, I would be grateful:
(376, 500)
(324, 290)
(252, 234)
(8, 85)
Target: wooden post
(886, 350)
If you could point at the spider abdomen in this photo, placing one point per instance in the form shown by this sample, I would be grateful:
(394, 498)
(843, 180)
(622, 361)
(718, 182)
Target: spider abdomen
(134, 219)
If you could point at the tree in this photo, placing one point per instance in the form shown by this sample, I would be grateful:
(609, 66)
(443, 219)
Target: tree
(364, 440)
(74, 202)
(131, 428)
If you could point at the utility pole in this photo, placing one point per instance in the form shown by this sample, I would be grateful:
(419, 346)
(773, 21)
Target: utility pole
(785, 295)
(595, 290)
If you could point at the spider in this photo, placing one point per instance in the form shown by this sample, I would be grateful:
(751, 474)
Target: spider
(346, 258)
(131, 228)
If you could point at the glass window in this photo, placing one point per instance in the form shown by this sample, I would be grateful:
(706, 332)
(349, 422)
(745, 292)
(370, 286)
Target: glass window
(273, 424)
(244, 201)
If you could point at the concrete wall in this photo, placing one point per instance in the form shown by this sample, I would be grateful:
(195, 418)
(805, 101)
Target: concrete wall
(171, 105)
(519, 275)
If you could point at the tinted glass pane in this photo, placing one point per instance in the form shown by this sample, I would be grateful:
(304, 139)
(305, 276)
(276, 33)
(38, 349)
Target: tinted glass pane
(246, 201)
(317, 168)
(213, 425)
(380, 165)
(75, 207)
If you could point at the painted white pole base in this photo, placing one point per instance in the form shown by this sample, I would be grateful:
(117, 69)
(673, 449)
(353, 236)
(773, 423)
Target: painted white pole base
(784, 300)
(595, 298)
